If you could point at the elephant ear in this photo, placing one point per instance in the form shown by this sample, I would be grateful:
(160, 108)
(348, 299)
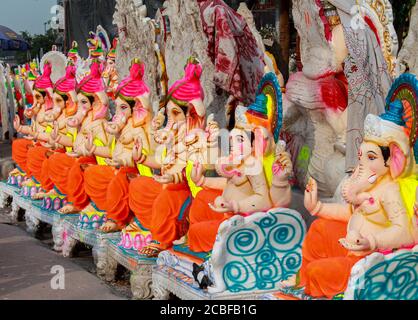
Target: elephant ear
(397, 160)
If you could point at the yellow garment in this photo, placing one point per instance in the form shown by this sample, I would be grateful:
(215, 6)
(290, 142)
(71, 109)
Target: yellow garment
(408, 188)
(193, 187)
(73, 136)
(99, 143)
(143, 169)
(268, 161)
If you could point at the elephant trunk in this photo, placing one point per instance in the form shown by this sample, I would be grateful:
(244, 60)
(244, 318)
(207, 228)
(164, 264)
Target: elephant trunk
(354, 189)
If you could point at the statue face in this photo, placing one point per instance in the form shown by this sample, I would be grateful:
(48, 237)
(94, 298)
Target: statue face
(372, 166)
(83, 106)
(84, 103)
(175, 113)
(176, 126)
(371, 157)
(240, 143)
(122, 114)
(38, 101)
(59, 101)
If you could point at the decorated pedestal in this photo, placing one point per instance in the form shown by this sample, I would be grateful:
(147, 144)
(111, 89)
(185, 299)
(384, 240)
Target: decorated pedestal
(16, 179)
(30, 189)
(54, 203)
(75, 232)
(91, 220)
(39, 214)
(9, 192)
(250, 258)
(139, 265)
(381, 276)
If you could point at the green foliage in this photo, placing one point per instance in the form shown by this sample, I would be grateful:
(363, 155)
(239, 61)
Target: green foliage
(36, 42)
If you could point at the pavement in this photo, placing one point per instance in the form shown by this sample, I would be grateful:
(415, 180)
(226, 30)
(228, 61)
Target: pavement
(27, 272)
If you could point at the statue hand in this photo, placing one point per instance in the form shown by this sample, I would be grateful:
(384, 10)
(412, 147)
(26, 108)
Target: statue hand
(197, 174)
(282, 166)
(16, 123)
(222, 206)
(212, 128)
(164, 179)
(311, 195)
(158, 120)
(358, 244)
(89, 144)
(137, 150)
(111, 162)
(53, 136)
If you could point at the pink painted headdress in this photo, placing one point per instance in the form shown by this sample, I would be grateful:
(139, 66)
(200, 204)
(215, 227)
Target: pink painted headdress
(188, 92)
(93, 85)
(189, 89)
(133, 85)
(44, 84)
(67, 86)
(132, 88)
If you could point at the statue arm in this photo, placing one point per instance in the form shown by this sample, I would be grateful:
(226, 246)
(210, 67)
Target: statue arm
(398, 233)
(152, 163)
(65, 140)
(43, 136)
(103, 152)
(26, 130)
(334, 211)
(281, 195)
(216, 183)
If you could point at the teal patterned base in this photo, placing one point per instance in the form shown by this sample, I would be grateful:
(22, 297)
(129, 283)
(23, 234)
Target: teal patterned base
(385, 277)
(257, 252)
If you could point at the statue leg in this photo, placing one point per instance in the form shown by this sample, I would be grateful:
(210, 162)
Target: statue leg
(326, 265)
(20, 152)
(77, 187)
(204, 222)
(117, 206)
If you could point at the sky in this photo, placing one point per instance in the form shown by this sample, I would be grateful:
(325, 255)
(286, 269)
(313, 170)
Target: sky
(26, 15)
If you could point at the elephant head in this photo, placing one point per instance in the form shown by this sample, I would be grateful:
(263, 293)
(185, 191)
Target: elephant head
(132, 100)
(384, 153)
(122, 114)
(175, 127)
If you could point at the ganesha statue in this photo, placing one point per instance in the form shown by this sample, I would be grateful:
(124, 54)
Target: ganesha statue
(343, 78)
(252, 178)
(106, 184)
(87, 116)
(377, 214)
(26, 149)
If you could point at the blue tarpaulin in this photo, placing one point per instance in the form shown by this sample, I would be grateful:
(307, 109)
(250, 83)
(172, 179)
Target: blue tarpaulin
(10, 40)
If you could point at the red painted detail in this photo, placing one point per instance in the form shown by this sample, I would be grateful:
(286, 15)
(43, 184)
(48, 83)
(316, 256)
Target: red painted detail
(334, 92)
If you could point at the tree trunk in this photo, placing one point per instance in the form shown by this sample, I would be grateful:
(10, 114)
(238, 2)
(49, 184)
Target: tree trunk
(284, 37)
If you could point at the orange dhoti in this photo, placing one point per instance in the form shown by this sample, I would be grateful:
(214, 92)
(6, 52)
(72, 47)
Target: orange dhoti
(108, 188)
(159, 208)
(59, 167)
(20, 149)
(326, 265)
(37, 166)
(204, 222)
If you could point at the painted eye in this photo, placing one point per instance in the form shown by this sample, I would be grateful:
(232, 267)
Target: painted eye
(371, 157)
(124, 107)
